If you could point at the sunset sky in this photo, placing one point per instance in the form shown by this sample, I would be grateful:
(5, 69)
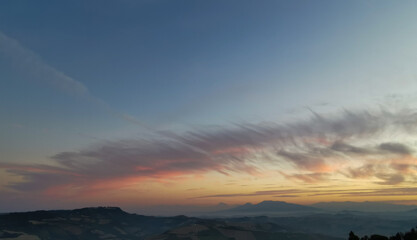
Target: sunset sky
(158, 102)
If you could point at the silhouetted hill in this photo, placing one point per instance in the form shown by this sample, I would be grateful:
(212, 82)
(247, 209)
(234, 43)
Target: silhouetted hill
(189, 210)
(250, 229)
(113, 223)
(86, 223)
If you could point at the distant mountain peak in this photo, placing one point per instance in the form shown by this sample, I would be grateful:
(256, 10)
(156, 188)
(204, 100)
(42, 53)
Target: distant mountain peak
(271, 206)
(272, 202)
(247, 204)
(100, 211)
(222, 204)
(100, 208)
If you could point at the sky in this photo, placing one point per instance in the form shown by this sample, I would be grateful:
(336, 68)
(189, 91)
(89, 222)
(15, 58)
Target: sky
(155, 102)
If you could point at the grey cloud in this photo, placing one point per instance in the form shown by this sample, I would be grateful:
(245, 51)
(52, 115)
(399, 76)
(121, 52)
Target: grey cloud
(383, 148)
(397, 148)
(390, 179)
(310, 177)
(372, 170)
(303, 161)
(346, 125)
(35, 181)
(257, 193)
(340, 146)
(364, 171)
(133, 158)
(241, 148)
(403, 167)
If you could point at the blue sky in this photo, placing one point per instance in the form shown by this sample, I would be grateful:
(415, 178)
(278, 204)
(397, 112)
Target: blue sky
(157, 60)
(79, 74)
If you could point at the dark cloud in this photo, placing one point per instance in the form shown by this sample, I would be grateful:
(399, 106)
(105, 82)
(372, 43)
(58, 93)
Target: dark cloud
(340, 146)
(397, 148)
(383, 148)
(378, 171)
(38, 180)
(364, 171)
(390, 179)
(403, 167)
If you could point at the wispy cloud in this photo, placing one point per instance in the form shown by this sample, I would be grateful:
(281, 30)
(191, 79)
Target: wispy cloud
(348, 192)
(29, 62)
(307, 160)
(307, 177)
(257, 193)
(364, 171)
(342, 147)
(390, 179)
(316, 148)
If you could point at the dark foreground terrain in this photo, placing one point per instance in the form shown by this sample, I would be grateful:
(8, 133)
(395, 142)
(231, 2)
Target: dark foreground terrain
(112, 223)
(86, 223)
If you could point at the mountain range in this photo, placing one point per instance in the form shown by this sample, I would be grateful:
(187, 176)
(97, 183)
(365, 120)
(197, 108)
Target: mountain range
(241, 222)
(270, 208)
(275, 208)
(111, 223)
(279, 208)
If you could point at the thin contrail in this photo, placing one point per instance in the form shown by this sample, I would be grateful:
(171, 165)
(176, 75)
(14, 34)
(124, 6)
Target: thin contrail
(31, 62)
